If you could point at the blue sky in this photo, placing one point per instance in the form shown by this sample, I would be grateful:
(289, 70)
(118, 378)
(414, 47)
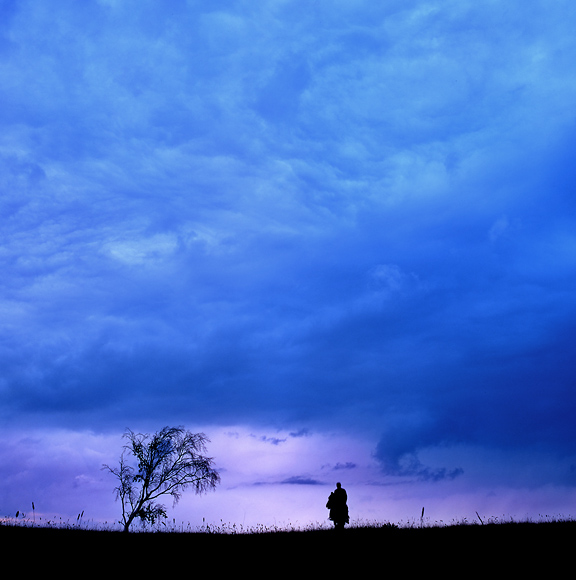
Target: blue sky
(337, 236)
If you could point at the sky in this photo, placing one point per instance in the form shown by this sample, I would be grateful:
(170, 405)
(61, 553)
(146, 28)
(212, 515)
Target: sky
(336, 236)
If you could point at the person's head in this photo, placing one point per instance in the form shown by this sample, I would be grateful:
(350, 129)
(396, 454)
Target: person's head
(338, 485)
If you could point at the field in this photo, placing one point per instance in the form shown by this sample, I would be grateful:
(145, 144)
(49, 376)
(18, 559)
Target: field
(543, 548)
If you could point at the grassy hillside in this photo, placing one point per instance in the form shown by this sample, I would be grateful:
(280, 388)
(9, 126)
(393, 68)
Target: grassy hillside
(458, 550)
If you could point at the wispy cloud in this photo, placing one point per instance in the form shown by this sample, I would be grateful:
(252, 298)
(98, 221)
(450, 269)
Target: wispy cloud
(301, 480)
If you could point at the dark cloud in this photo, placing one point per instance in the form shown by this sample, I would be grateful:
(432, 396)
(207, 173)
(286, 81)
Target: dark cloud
(271, 440)
(301, 480)
(232, 215)
(347, 465)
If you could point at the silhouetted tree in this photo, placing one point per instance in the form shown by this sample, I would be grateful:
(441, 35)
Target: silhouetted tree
(168, 462)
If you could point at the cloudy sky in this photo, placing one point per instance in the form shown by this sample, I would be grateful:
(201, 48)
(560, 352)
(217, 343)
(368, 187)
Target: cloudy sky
(337, 236)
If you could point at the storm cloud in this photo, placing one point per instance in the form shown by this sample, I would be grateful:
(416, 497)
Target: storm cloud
(329, 216)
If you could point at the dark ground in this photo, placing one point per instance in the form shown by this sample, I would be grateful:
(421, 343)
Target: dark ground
(458, 550)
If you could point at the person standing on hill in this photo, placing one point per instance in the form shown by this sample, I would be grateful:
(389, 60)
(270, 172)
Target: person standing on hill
(337, 504)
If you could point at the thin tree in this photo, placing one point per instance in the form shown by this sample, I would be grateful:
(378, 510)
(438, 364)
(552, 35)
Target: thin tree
(168, 462)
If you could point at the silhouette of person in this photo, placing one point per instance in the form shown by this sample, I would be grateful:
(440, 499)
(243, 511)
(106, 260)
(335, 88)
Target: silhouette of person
(338, 507)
